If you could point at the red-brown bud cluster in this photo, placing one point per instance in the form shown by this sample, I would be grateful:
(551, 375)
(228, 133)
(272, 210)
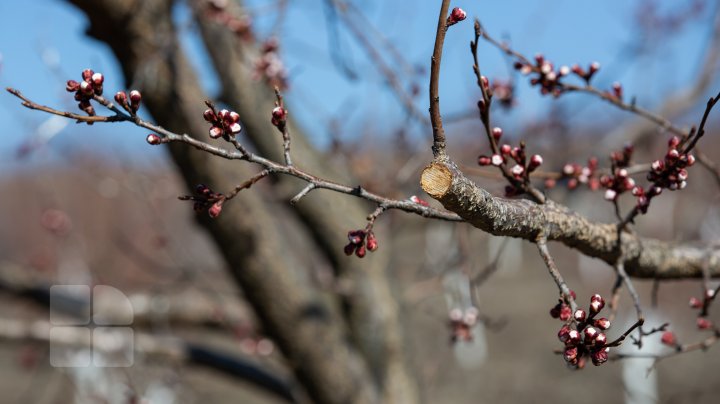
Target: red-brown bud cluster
(668, 338)
(503, 91)
(461, 324)
(270, 66)
(130, 103)
(90, 86)
(205, 198)
(279, 117)
(545, 74)
(360, 242)
(456, 15)
(671, 172)
(240, 25)
(619, 181)
(223, 123)
(574, 175)
(416, 199)
(588, 74)
(582, 334)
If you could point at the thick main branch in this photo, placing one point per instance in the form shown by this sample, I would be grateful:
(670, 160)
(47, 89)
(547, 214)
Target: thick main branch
(643, 257)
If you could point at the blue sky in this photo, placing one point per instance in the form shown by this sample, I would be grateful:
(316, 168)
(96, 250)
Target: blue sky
(43, 45)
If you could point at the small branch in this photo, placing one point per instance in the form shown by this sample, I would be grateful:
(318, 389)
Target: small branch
(247, 184)
(555, 273)
(308, 188)
(272, 167)
(438, 147)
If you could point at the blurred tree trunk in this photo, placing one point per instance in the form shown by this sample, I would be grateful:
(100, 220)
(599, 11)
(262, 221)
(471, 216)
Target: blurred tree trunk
(300, 318)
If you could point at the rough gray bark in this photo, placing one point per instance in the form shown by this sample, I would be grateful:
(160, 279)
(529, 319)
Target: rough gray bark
(371, 308)
(521, 218)
(304, 324)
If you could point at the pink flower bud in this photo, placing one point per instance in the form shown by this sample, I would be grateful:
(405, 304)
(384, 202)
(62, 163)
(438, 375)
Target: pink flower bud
(594, 67)
(456, 15)
(87, 74)
(673, 142)
(599, 357)
(690, 160)
(360, 251)
(505, 149)
(709, 294)
(497, 133)
(570, 354)
(703, 323)
(135, 98)
(209, 115)
(564, 71)
(234, 116)
(372, 243)
(617, 90)
(564, 334)
(121, 97)
(215, 210)
(601, 339)
(695, 303)
(97, 79)
(517, 170)
(602, 323)
(484, 161)
(573, 337)
(86, 88)
(590, 334)
(417, 200)
(536, 161)
(153, 139)
(72, 85)
(216, 132)
(349, 249)
(565, 313)
(668, 338)
(579, 315)
(496, 160)
(224, 114)
(610, 195)
(235, 128)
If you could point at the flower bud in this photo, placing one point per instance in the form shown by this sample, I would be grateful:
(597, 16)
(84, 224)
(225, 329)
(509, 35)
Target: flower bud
(590, 334)
(456, 15)
(602, 323)
(97, 79)
(497, 133)
(599, 357)
(153, 139)
(87, 74)
(372, 243)
(360, 251)
(579, 315)
(72, 85)
(703, 323)
(496, 160)
(135, 98)
(668, 338)
(215, 132)
(209, 115)
(215, 210)
(121, 98)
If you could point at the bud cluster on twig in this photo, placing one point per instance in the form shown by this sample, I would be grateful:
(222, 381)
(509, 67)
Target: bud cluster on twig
(240, 25)
(206, 199)
(461, 324)
(90, 86)
(269, 66)
(583, 334)
(224, 123)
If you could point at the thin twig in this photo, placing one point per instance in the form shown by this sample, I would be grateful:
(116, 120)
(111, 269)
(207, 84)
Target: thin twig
(242, 154)
(555, 273)
(438, 147)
